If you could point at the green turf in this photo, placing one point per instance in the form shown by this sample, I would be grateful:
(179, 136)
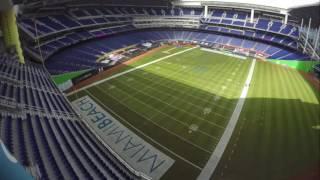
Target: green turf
(305, 66)
(163, 99)
(274, 138)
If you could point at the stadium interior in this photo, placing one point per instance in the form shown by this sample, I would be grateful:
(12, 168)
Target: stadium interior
(160, 89)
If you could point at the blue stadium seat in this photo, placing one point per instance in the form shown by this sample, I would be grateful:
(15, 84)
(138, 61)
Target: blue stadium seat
(262, 24)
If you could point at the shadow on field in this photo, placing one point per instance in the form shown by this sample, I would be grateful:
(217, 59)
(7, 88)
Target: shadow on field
(274, 138)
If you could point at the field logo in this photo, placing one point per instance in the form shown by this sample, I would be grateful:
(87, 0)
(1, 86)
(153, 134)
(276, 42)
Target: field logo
(135, 151)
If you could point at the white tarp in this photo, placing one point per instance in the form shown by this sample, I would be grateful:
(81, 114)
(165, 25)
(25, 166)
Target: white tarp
(66, 85)
(138, 153)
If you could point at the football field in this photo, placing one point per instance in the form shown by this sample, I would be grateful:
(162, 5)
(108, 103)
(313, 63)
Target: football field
(180, 100)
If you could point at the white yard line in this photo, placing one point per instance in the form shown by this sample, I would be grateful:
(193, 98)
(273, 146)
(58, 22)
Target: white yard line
(224, 53)
(177, 155)
(212, 163)
(159, 111)
(150, 120)
(187, 94)
(195, 116)
(130, 70)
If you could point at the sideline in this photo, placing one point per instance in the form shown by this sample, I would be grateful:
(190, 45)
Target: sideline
(224, 53)
(214, 159)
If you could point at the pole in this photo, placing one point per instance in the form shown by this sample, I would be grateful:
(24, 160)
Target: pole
(206, 11)
(252, 15)
(306, 40)
(286, 18)
(316, 43)
(301, 23)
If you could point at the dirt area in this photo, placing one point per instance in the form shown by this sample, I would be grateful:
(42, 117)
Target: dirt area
(314, 81)
(113, 70)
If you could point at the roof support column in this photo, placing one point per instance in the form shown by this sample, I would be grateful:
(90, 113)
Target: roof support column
(301, 24)
(307, 37)
(206, 11)
(252, 15)
(286, 18)
(316, 42)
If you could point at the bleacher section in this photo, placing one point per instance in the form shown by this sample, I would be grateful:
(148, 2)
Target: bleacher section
(80, 24)
(28, 85)
(84, 56)
(40, 128)
(241, 19)
(81, 18)
(43, 26)
(57, 31)
(51, 46)
(256, 34)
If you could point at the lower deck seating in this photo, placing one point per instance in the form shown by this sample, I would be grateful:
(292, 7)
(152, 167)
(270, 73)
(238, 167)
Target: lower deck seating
(59, 148)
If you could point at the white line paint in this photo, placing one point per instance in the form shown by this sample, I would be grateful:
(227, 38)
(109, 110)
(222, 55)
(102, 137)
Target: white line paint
(223, 53)
(150, 119)
(212, 163)
(130, 70)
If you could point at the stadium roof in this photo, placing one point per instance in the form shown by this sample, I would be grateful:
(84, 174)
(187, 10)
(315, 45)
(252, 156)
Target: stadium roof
(280, 4)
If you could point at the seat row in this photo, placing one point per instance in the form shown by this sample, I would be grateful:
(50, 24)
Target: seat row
(50, 47)
(281, 40)
(59, 148)
(81, 18)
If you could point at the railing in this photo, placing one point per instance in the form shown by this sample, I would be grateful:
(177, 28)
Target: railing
(313, 38)
(309, 47)
(9, 77)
